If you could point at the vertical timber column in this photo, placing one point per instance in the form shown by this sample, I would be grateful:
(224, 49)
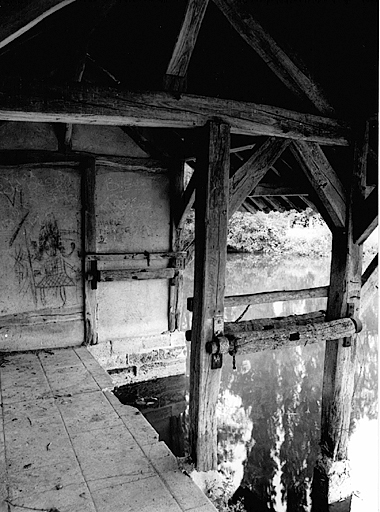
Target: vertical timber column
(331, 482)
(89, 233)
(211, 220)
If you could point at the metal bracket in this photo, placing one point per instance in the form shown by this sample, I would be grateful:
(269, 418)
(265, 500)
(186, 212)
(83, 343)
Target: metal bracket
(350, 313)
(216, 356)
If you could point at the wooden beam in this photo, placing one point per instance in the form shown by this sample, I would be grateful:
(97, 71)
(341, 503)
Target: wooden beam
(136, 256)
(249, 175)
(366, 216)
(265, 46)
(211, 219)
(331, 482)
(268, 297)
(188, 199)
(370, 283)
(175, 77)
(22, 20)
(277, 189)
(250, 342)
(89, 238)
(87, 104)
(323, 179)
(135, 274)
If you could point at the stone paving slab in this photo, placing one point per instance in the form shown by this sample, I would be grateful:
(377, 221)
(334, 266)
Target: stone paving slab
(68, 444)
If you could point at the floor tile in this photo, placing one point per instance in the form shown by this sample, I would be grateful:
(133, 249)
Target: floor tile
(109, 452)
(70, 380)
(23, 390)
(147, 495)
(89, 411)
(45, 478)
(71, 498)
(59, 358)
(43, 409)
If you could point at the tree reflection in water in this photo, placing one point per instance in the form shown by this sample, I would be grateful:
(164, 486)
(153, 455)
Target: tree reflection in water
(279, 392)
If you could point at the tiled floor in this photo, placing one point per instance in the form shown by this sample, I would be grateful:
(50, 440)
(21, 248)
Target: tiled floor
(68, 445)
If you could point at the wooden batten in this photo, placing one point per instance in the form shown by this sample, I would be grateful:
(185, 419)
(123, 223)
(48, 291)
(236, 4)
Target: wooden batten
(138, 274)
(86, 104)
(211, 218)
(268, 297)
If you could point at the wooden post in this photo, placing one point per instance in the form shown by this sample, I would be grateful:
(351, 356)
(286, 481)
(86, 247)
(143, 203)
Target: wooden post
(211, 218)
(89, 236)
(331, 482)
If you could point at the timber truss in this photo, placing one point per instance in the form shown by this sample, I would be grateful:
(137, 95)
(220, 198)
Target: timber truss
(246, 156)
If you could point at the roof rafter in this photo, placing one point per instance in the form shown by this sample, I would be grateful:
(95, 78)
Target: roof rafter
(19, 22)
(323, 179)
(85, 104)
(265, 46)
(175, 77)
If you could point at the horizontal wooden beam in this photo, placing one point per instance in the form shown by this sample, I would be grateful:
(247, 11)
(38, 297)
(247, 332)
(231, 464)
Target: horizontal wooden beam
(323, 179)
(268, 297)
(86, 104)
(139, 275)
(265, 46)
(280, 189)
(366, 217)
(22, 20)
(43, 316)
(135, 256)
(248, 342)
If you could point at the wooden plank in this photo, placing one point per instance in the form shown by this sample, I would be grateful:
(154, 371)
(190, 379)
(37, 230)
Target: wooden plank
(87, 104)
(323, 179)
(89, 234)
(185, 44)
(265, 46)
(366, 217)
(132, 164)
(370, 270)
(43, 316)
(136, 256)
(268, 297)
(251, 342)
(249, 175)
(211, 219)
(20, 21)
(136, 274)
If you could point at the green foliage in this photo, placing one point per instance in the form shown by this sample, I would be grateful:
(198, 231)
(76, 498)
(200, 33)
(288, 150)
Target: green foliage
(292, 233)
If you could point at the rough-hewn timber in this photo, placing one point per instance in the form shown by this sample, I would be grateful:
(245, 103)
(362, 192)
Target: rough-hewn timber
(247, 342)
(211, 218)
(85, 104)
(323, 179)
(176, 72)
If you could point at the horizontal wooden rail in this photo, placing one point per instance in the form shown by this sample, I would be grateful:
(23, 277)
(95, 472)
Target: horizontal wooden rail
(138, 274)
(264, 324)
(246, 342)
(265, 297)
(135, 256)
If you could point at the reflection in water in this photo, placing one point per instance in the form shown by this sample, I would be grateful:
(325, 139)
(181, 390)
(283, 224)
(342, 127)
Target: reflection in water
(269, 408)
(279, 393)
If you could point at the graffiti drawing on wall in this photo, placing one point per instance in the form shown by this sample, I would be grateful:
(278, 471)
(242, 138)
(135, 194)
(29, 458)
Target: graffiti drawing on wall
(45, 256)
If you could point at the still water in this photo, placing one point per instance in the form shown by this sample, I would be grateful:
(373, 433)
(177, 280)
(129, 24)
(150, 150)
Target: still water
(269, 407)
